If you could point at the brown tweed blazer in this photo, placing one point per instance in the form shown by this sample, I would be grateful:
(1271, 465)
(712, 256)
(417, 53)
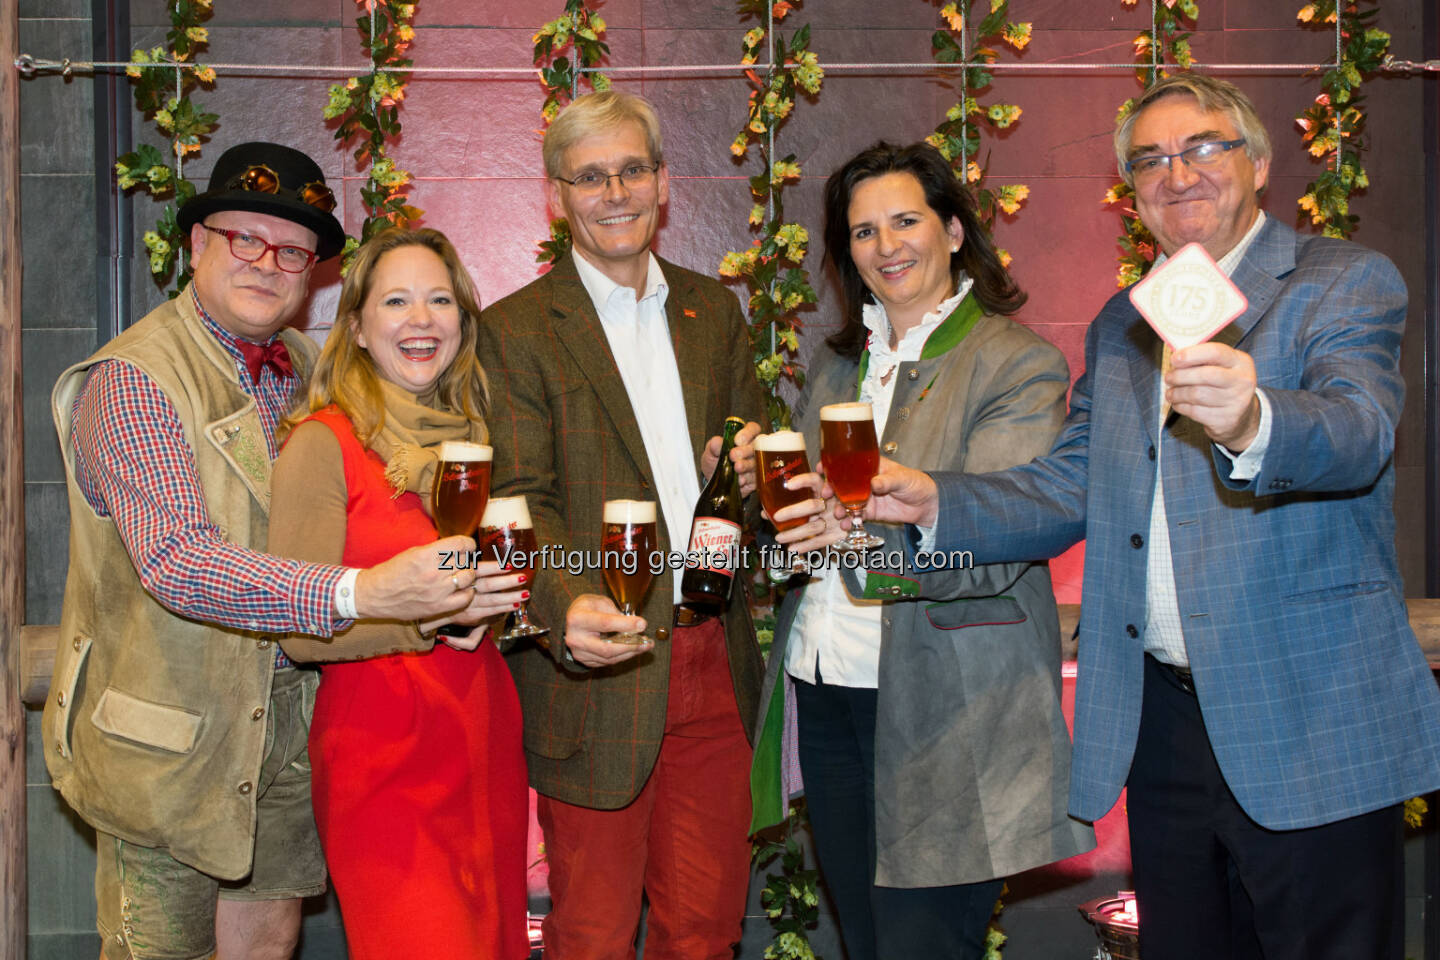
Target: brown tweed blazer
(565, 436)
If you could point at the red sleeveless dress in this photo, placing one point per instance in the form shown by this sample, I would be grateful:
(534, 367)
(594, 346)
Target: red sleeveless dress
(418, 775)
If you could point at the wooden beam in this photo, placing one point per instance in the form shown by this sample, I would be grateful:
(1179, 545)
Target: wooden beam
(12, 505)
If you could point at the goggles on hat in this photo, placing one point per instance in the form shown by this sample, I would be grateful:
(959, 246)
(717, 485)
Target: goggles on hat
(259, 178)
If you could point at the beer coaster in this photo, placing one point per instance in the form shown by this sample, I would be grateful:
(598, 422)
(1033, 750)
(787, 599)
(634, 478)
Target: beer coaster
(1188, 299)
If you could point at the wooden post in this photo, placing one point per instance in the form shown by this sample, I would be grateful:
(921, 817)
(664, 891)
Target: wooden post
(12, 505)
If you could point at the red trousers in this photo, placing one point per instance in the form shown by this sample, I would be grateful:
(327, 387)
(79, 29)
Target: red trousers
(682, 841)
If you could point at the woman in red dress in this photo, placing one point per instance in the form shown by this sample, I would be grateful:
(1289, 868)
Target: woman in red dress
(418, 779)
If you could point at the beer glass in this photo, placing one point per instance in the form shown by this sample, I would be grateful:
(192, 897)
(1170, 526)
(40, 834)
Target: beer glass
(851, 456)
(506, 530)
(626, 542)
(457, 499)
(782, 456)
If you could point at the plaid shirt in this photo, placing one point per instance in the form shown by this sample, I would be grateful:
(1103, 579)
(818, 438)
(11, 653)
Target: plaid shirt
(133, 463)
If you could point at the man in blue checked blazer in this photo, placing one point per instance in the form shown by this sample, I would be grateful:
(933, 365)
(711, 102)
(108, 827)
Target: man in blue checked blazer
(1246, 664)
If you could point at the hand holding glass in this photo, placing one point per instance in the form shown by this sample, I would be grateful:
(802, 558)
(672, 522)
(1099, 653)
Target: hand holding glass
(850, 454)
(506, 530)
(458, 497)
(626, 542)
(781, 456)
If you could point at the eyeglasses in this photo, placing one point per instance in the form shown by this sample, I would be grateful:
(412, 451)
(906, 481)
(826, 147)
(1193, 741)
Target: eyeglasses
(250, 248)
(634, 177)
(1200, 155)
(261, 179)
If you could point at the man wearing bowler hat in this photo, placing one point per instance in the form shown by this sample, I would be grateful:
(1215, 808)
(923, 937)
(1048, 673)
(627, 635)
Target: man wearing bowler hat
(175, 725)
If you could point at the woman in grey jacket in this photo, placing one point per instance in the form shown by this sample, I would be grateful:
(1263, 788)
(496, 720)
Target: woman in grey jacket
(932, 746)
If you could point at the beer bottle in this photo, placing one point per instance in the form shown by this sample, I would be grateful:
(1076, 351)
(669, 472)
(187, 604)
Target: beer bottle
(714, 551)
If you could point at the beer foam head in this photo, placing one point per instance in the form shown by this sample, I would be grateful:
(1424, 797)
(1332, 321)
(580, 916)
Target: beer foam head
(458, 451)
(629, 511)
(783, 441)
(506, 512)
(846, 411)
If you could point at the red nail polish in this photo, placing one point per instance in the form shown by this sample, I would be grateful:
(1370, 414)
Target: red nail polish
(525, 595)
(515, 606)
(523, 578)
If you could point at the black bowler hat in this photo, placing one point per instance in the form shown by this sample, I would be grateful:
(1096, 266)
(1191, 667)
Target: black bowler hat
(275, 180)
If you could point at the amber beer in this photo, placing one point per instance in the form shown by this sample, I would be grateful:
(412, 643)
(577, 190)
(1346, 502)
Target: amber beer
(850, 454)
(848, 450)
(627, 539)
(457, 499)
(508, 534)
(462, 486)
(782, 456)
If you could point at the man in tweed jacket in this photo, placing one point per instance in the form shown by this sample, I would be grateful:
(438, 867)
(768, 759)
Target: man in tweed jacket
(607, 376)
(1246, 664)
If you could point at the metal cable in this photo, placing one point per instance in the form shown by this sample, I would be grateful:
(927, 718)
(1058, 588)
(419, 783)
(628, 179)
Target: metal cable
(28, 65)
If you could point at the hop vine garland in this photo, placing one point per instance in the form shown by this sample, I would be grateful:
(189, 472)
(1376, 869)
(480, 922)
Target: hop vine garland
(1333, 128)
(579, 30)
(368, 108)
(1166, 42)
(163, 96)
(772, 266)
(957, 137)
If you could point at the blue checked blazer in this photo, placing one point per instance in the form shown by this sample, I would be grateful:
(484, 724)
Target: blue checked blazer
(1316, 697)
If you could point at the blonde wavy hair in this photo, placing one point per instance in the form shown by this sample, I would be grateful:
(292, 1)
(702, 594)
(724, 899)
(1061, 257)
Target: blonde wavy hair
(345, 374)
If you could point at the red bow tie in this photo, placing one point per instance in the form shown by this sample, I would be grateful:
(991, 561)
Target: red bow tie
(272, 355)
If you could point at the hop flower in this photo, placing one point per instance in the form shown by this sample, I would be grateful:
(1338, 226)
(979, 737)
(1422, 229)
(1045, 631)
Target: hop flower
(1306, 13)
(756, 125)
(973, 172)
(780, 8)
(158, 175)
(1005, 257)
(197, 34)
(205, 75)
(732, 264)
(757, 215)
(808, 74)
(1017, 34)
(793, 237)
(165, 120)
(1003, 114)
(1142, 45)
(339, 101)
(784, 170)
(405, 33)
(738, 145)
(1011, 196)
(952, 16)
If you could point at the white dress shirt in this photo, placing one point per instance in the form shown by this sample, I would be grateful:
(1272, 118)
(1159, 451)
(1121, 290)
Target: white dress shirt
(639, 337)
(833, 630)
(1164, 636)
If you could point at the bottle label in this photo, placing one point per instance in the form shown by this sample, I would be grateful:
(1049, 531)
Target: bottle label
(714, 545)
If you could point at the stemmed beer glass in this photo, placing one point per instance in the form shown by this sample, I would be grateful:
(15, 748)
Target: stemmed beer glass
(850, 453)
(507, 530)
(458, 497)
(626, 542)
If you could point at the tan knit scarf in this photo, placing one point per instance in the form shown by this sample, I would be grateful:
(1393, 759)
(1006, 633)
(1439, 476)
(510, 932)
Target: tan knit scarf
(410, 438)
